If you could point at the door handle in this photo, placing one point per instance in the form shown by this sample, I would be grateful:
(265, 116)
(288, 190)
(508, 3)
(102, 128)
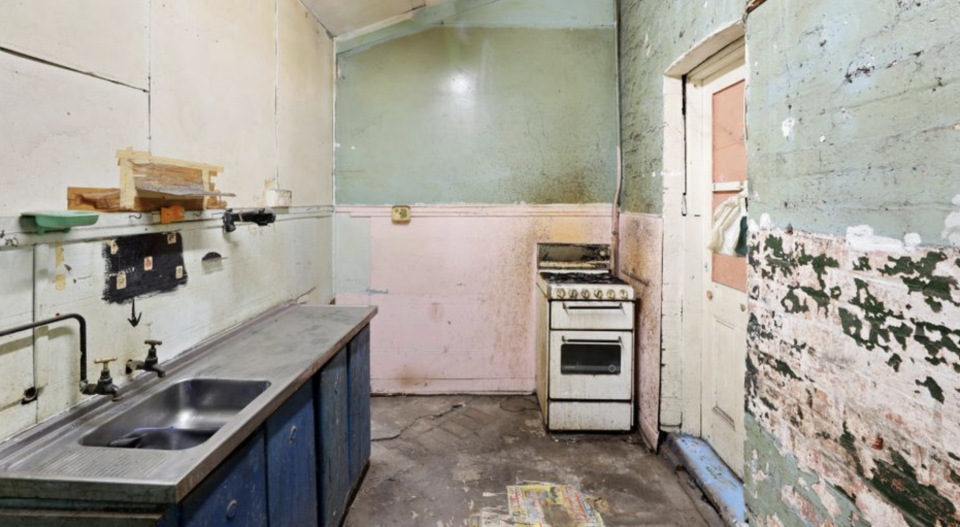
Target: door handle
(618, 307)
(565, 340)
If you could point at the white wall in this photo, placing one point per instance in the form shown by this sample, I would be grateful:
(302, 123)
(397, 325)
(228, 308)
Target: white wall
(246, 85)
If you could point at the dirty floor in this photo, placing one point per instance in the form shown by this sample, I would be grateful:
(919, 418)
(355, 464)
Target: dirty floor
(447, 461)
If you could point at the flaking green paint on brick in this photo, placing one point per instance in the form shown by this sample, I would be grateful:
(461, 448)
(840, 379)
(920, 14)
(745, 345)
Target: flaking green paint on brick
(935, 390)
(777, 469)
(923, 504)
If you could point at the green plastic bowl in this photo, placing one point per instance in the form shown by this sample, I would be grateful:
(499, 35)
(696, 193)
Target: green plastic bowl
(61, 220)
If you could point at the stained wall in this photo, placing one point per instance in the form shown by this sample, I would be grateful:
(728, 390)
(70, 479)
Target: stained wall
(248, 86)
(497, 122)
(852, 379)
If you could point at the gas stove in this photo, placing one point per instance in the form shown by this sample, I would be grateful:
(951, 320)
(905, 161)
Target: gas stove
(584, 286)
(585, 351)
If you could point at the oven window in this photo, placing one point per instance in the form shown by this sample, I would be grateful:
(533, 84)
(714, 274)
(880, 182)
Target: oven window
(589, 358)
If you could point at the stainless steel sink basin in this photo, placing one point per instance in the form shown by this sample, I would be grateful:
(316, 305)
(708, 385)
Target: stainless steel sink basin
(180, 416)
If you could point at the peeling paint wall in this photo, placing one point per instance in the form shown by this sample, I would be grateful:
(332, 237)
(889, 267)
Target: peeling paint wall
(245, 85)
(853, 384)
(487, 115)
(854, 346)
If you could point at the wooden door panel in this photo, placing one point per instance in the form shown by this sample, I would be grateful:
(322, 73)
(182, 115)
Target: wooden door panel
(333, 441)
(235, 494)
(358, 363)
(292, 461)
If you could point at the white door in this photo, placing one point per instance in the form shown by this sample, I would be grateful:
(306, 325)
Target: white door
(717, 159)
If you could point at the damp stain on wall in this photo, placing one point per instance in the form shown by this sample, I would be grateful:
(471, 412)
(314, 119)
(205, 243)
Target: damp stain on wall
(479, 115)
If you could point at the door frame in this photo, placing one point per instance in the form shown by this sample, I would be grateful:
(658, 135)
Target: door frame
(683, 246)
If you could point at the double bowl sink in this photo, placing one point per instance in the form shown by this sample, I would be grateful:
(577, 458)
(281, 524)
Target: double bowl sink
(180, 416)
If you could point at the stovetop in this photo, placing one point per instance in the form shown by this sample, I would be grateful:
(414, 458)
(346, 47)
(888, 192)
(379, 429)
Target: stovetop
(596, 286)
(603, 278)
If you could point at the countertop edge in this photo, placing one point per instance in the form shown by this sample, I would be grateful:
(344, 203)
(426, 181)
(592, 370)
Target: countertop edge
(165, 493)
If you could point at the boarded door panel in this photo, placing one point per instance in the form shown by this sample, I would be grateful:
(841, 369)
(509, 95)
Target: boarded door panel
(719, 169)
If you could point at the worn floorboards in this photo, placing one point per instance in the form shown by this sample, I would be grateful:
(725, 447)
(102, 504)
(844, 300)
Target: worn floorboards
(438, 461)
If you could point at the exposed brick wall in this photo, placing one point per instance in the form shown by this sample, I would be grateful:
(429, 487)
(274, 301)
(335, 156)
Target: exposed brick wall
(853, 384)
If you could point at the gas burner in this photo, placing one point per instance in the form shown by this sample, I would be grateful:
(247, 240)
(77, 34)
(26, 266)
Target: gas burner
(603, 278)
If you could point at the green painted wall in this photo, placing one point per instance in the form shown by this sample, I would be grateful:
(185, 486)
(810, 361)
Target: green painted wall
(870, 87)
(479, 115)
(654, 34)
(873, 88)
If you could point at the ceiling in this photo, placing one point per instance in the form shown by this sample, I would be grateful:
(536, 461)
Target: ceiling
(345, 16)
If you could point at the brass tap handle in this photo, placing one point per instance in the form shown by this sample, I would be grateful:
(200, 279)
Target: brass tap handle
(153, 342)
(106, 362)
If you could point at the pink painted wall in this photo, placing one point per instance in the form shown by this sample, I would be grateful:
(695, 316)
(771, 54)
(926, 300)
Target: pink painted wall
(641, 265)
(456, 290)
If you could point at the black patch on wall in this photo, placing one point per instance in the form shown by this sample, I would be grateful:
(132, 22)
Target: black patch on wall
(126, 261)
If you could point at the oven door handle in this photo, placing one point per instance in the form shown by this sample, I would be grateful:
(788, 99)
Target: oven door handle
(619, 340)
(618, 307)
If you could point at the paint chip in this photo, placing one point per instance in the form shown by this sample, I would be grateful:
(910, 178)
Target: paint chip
(61, 281)
(912, 240)
(787, 127)
(861, 238)
(171, 238)
(179, 272)
(121, 281)
(148, 263)
(114, 248)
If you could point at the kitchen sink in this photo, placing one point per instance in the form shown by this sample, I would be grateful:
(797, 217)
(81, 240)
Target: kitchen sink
(180, 416)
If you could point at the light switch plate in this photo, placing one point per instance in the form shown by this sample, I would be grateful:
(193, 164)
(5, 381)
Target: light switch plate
(400, 214)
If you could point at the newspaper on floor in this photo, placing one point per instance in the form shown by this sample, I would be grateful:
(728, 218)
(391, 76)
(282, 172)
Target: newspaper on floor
(542, 505)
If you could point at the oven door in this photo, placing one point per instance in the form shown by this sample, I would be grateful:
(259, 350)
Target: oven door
(591, 365)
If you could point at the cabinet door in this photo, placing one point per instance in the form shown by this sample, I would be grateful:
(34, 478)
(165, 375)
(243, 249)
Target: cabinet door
(235, 494)
(333, 436)
(358, 364)
(292, 461)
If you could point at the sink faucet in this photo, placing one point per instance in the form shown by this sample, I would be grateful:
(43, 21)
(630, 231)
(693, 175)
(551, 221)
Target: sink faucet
(85, 386)
(151, 363)
(104, 384)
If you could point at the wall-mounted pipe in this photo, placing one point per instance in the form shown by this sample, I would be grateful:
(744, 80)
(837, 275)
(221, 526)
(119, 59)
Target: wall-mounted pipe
(83, 344)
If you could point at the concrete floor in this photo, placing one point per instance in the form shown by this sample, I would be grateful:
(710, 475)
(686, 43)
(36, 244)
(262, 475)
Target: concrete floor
(438, 461)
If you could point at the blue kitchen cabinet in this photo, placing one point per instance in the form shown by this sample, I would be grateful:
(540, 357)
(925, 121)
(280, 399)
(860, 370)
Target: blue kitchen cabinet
(292, 461)
(235, 494)
(333, 438)
(358, 387)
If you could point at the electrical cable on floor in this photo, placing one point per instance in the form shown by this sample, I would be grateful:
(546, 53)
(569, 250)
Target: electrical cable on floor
(417, 420)
(522, 405)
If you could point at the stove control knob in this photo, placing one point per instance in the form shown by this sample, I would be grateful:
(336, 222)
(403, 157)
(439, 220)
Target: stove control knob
(623, 294)
(598, 293)
(573, 293)
(610, 294)
(561, 293)
(585, 294)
